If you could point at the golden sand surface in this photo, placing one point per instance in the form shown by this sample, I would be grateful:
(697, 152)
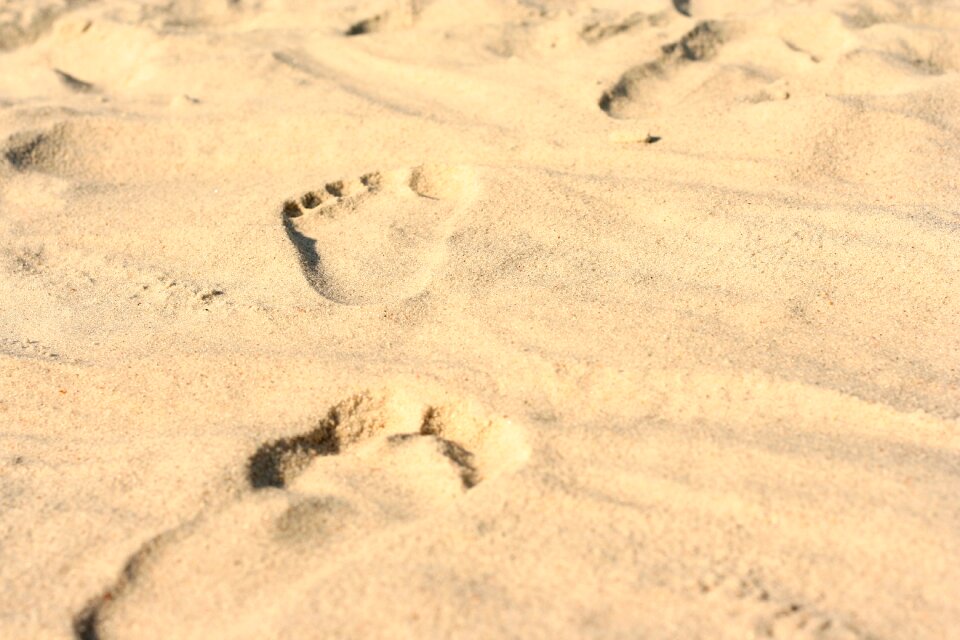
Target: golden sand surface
(480, 319)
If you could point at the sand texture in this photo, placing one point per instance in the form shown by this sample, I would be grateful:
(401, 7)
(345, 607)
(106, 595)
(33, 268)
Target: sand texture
(480, 319)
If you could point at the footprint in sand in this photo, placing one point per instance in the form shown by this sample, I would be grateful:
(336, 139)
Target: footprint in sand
(755, 612)
(373, 463)
(378, 426)
(649, 86)
(379, 238)
(687, 72)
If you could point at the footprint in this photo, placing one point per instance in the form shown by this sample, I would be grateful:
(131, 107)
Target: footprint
(713, 67)
(167, 294)
(379, 238)
(32, 349)
(643, 86)
(470, 446)
(764, 615)
(373, 462)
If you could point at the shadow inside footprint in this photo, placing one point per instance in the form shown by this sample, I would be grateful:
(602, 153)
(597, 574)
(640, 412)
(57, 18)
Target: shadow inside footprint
(85, 624)
(268, 467)
(454, 452)
(306, 247)
(275, 462)
(32, 150)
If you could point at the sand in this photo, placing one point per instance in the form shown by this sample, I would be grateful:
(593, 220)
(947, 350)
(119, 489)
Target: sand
(479, 319)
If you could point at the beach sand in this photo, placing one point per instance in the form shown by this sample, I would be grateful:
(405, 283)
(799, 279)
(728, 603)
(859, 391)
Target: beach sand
(479, 319)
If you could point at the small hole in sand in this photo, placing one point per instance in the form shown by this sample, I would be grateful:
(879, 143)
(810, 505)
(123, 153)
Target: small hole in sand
(291, 209)
(372, 180)
(310, 200)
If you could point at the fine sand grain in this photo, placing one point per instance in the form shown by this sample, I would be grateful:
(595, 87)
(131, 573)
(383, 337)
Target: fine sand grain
(480, 319)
